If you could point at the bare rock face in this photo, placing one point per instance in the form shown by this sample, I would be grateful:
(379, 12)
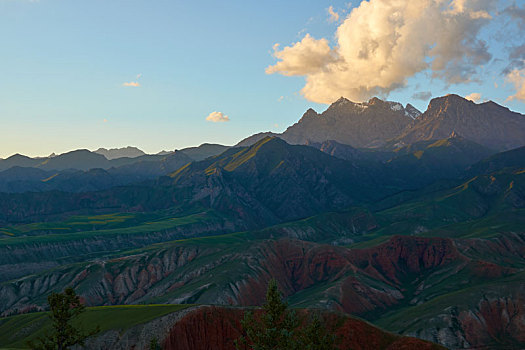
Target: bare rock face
(367, 124)
(494, 322)
(488, 124)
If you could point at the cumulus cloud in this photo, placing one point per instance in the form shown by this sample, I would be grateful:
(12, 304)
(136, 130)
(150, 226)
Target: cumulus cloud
(334, 16)
(517, 77)
(217, 117)
(305, 57)
(474, 97)
(422, 95)
(382, 43)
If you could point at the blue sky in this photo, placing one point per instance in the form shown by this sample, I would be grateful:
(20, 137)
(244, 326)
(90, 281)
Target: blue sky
(64, 63)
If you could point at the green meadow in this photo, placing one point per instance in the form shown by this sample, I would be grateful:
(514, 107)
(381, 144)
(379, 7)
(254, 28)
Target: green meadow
(16, 331)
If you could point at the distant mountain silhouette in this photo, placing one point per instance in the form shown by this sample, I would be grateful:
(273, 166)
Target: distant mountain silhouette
(64, 177)
(204, 151)
(113, 153)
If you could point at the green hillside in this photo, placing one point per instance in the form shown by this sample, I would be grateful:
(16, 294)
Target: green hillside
(15, 331)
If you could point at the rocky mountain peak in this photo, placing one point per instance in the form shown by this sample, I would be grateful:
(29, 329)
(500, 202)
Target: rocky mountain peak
(342, 100)
(412, 111)
(366, 124)
(375, 101)
(17, 156)
(310, 112)
(448, 101)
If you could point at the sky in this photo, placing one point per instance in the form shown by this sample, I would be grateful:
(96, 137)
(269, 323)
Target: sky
(164, 75)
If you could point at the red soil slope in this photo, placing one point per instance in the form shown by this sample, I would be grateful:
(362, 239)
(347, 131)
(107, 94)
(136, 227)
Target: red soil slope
(216, 328)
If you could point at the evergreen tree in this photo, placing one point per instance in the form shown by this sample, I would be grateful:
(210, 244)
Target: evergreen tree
(64, 308)
(274, 329)
(277, 328)
(154, 344)
(315, 336)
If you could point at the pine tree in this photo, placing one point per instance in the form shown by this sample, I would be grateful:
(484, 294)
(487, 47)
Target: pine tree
(154, 344)
(315, 336)
(64, 308)
(276, 328)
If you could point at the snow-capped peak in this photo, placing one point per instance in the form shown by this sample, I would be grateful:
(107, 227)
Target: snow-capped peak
(396, 106)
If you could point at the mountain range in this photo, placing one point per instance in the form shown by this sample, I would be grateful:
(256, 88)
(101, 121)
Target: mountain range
(412, 221)
(384, 124)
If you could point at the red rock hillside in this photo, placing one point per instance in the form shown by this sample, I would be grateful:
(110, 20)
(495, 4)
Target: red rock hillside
(216, 328)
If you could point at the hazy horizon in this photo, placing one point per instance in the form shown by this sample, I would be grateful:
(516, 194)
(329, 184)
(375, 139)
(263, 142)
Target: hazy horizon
(148, 151)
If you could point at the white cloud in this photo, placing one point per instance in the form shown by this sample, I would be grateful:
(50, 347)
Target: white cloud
(334, 16)
(217, 117)
(474, 97)
(517, 77)
(131, 84)
(382, 43)
(305, 57)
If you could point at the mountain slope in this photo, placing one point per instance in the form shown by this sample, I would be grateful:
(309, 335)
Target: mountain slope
(514, 159)
(348, 152)
(18, 160)
(204, 151)
(283, 181)
(375, 283)
(424, 162)
(185, 327)
(253, 139)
